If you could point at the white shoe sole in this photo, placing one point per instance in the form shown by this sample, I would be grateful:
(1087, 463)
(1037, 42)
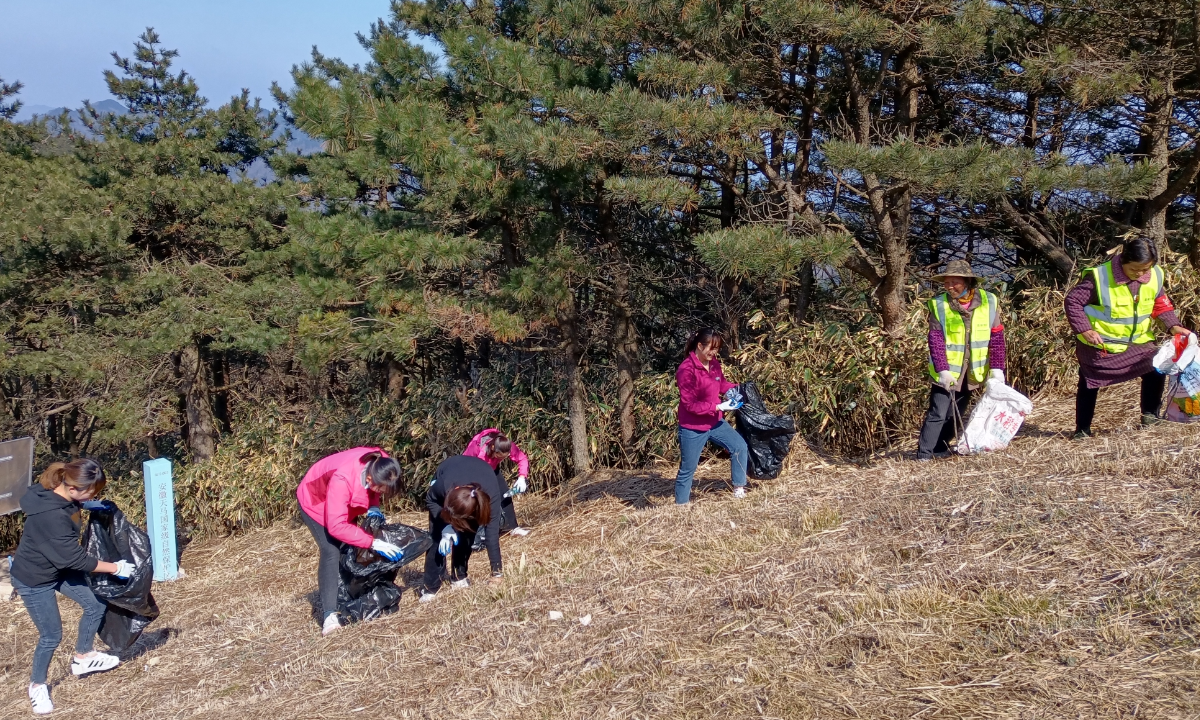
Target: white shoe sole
(102, 663)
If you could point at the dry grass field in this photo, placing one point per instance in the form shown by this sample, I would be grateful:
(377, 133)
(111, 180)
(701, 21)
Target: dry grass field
(1056, 579)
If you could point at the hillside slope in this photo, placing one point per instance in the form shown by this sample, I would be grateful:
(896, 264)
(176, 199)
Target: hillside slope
(1057, 579)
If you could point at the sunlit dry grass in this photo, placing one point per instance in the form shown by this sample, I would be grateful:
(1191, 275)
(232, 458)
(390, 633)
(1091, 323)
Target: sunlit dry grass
(1056, 579)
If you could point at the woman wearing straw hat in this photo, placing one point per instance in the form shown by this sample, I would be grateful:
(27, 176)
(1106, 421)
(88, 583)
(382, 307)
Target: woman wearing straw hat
(966, 348)
(1111, 311)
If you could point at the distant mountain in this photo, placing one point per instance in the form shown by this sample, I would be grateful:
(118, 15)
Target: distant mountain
(259, 172)
(28, 112)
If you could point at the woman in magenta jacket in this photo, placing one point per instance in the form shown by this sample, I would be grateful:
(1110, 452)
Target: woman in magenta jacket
(494, 447)
(702, 414)
(333, 494)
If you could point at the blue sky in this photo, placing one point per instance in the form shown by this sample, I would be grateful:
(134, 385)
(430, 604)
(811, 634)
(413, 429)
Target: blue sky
(59, 48)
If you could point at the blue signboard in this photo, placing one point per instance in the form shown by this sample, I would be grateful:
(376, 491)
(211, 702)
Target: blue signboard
(160, 518)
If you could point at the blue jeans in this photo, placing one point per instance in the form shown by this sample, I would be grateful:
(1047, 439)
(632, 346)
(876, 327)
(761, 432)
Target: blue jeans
(43, 610)
(691, 444)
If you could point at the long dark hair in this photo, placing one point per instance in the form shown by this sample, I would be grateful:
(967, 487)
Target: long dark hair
(467, 505)
(383, 471)
(497, 443)
(1140, 249)
(706, 336)
(81, 474)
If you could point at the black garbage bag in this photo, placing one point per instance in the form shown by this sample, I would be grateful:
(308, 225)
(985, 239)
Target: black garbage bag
(367, 582)
(768, 436)
(110, 537)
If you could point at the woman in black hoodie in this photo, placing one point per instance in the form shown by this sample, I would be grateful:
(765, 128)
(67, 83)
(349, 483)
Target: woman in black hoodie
(49, 558)
(463, 499)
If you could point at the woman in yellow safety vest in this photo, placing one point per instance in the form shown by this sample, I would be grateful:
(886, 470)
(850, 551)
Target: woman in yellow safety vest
(1111, 310)
(966, 348)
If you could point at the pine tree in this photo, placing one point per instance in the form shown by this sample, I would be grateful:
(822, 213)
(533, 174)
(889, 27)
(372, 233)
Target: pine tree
(9, 108)
(192, 289)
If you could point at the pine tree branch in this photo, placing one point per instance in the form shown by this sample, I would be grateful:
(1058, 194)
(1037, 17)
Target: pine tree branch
(1042, 243)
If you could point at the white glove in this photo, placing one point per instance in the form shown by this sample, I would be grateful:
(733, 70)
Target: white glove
(521, 485)
(726, 406)
(946, 379)
(448, 541)
(388, 550)
(124, 569)
(997, 375)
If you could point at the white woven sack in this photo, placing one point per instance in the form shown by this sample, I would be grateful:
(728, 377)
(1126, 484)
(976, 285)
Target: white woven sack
(995, 420)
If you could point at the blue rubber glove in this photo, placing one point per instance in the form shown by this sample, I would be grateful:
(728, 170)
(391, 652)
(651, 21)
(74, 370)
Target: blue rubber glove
(387, 550)
(101, 505)
(448, 541)
(375, 512)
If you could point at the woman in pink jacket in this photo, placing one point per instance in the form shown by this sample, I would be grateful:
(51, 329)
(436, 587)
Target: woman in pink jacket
(494, 447)
(702, 414)
(333, 494)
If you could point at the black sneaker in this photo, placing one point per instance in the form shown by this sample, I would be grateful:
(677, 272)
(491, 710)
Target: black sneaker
(1149, 419)
(1082, 435)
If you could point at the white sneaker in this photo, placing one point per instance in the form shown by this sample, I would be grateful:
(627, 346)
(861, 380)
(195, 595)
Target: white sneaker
(519, 532)
(331, 623)
(96, 662)
(739, 492)
(39, 697)
(427, 597)
(460, 584)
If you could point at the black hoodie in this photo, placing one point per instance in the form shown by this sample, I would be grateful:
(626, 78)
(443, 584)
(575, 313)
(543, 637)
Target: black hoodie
(456, 471)
(50, 541)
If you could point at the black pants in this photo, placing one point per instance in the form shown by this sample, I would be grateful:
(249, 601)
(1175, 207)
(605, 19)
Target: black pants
(1085, 400)
(327, 569)
(508, 514)
(938, 429)
(435, 562)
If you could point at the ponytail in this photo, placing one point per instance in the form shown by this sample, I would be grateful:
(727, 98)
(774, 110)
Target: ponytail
(498, 444)
(467, 505)
(384, 471)
(81, 474)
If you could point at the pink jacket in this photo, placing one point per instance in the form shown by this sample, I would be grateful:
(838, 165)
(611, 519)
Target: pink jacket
(700, 391)
(332, 494)
(476, 449)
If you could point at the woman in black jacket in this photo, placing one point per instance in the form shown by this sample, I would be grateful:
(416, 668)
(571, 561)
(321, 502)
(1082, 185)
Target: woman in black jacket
(464, 497)
(49, 558)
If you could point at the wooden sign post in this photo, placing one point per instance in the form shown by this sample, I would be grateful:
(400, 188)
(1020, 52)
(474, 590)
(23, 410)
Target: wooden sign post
(160, 518)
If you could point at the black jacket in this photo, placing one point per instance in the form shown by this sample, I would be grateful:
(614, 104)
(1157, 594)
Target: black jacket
(456, 471)
(49, 545)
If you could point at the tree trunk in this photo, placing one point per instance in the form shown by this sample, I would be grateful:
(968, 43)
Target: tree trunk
(803, 290)
(625, 344)
(890, 210)
(625, 339)
(201, 426)
(1194, 243)
(568, 322)
(220, 371)
(397, 380)
(1155, 146)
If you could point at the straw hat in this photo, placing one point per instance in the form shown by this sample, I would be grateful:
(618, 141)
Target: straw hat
(957, 268)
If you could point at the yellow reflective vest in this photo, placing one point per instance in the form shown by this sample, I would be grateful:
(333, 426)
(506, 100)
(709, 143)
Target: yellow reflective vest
(1122, 319)
(983, 319)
